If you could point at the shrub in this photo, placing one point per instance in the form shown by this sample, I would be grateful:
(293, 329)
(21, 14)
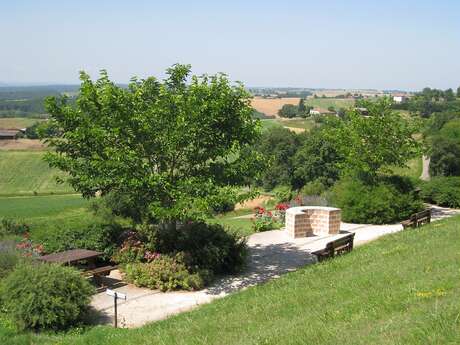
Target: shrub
(205, 246)
(315, 187)
(264, 220)
(9, 258)
(12, 227)
(164, 273)
(443, 191)
(98, 236)
(283, 194)
(134, 248)
(43, 296)
(387, 200)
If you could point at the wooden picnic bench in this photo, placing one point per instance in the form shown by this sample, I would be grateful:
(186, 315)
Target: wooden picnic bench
(337, 247)
(417, 219)
(75, 256)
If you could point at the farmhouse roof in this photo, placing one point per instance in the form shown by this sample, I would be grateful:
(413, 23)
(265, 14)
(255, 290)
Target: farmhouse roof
(8, 132)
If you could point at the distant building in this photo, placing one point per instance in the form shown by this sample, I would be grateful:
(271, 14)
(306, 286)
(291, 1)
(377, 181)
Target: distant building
(400, 98)
(321, 111)
(9, 134)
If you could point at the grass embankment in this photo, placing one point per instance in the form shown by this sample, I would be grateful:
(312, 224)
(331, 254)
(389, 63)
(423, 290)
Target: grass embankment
(25, 172)
(401, 289)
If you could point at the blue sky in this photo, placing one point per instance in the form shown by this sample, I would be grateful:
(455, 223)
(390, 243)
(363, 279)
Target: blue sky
(333, 44)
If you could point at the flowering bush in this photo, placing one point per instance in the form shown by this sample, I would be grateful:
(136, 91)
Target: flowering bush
(264, 220)
(133, 249)
(12, 227)
(164, 273)
(28, 249)
(280, 210)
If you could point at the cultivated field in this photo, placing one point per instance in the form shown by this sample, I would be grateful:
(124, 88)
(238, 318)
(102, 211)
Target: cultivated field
(22, 145)
(270, 106)
(17, 122)
(25, 172)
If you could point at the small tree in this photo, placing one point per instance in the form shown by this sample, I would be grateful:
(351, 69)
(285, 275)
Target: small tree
(372, 144)
(168, 146)
(288, 110)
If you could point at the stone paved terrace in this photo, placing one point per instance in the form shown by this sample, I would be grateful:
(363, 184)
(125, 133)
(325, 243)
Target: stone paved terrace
(272, 254)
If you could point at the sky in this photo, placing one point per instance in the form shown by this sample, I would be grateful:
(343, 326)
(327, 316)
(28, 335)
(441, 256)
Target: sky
(320, 44)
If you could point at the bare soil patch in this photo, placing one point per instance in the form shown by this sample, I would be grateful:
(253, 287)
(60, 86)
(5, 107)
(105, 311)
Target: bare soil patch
(259, 201)
(22, 145)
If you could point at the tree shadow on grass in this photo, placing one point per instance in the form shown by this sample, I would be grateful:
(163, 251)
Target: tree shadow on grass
(265, 262)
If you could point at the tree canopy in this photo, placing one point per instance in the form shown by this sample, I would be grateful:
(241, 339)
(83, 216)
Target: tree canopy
(371, 144)
(168, 146)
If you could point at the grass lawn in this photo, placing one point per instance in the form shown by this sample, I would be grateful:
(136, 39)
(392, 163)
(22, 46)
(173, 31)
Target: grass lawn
(306, 124)
(241, 225)
(17, 122)
(270, 123)
(40, 207)
(25, 172)
(401, 289)
(413, 169)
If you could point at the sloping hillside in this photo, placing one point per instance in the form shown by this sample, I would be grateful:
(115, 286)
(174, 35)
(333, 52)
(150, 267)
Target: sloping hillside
(400, 289)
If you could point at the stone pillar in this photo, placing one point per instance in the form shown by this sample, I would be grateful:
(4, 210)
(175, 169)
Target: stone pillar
(306, 221)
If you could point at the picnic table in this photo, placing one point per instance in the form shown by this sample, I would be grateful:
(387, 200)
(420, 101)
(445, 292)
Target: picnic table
(75, 256)
(72, 256)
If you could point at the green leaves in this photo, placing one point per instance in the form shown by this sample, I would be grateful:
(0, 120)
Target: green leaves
(370, 144)
(167, 143)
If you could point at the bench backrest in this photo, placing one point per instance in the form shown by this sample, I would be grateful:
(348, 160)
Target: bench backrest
(340, 246)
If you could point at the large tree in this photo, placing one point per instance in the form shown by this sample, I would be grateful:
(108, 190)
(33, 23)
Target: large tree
(168, 146)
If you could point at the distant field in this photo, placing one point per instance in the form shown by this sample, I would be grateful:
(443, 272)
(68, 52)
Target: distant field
(17, 122)
(25, 172)
(29, 207)
(328, 102)
(22, 145)
(306, 124)
(270, 106)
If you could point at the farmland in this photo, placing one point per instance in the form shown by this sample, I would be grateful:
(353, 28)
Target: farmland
(270, 106)
(17, 122)
(26, 173)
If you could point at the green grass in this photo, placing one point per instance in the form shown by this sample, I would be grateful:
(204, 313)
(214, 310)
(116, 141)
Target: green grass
(413, 169)
(17, 122)
(306, 124)
(269, 123)
(328, 102)
(25, 172)
(401, 289)
(40, 207)
(242, 226)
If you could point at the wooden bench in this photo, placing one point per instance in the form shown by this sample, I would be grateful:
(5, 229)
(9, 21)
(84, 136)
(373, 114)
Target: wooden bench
(99, 271)
(340, 246)
(417, 219)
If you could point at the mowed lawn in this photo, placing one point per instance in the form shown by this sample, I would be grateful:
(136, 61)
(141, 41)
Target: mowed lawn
(25, 172)
(401, 289)
(36, 207)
